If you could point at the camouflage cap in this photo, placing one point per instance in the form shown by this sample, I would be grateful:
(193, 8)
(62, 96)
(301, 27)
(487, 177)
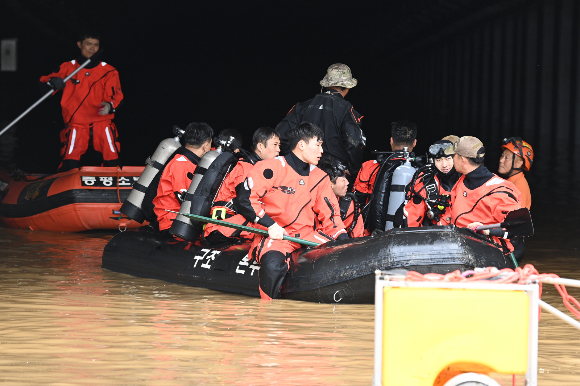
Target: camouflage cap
(467, 146)
(452, 138)
(338, 75)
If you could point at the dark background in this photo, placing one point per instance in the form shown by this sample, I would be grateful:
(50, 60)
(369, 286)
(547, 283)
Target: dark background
(491, 69)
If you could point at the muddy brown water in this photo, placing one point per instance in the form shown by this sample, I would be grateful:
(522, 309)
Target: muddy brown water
(65, 320)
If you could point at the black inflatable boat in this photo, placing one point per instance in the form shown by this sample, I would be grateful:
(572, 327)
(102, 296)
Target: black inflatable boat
(336, 272)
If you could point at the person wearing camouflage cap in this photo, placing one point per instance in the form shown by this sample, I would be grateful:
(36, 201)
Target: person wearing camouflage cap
(338, 75)
(480, 197)
(343, 138)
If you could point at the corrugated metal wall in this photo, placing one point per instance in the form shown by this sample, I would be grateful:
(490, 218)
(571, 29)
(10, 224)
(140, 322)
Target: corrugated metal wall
(516, 74)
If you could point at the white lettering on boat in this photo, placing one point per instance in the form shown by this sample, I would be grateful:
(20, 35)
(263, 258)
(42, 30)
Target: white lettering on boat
(212, 256)
(246, 262)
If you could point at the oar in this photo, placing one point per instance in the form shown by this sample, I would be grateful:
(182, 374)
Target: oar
(518, 223)
(49, 93)
(244, 228)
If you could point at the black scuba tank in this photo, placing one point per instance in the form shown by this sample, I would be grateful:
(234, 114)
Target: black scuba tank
(377, 218)
(208, 178)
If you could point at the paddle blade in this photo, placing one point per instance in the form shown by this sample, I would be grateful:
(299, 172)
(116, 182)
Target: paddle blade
(519, 223)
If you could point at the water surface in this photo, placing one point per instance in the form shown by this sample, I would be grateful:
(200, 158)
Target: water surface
(65, 320)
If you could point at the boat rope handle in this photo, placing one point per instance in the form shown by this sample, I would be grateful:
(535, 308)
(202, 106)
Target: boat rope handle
(527, 274)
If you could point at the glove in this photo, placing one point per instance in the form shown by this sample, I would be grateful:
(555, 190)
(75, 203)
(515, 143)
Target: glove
(56, 83)
(376, 232)
(276, 232)
(473, 226)
(105, 108)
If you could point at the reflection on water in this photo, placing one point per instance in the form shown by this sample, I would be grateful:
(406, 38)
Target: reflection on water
(63, 319)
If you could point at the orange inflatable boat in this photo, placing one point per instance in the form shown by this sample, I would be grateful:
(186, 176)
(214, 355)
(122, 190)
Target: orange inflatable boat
(77, 200)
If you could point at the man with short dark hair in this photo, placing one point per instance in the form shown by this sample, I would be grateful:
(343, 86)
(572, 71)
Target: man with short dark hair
(340, 122)
(480, 197)
(347, 202)
(89, 102)
(178, 173)
(287, 195)
(265, 145)
(403, 134)
(231, 137)
(373, 183)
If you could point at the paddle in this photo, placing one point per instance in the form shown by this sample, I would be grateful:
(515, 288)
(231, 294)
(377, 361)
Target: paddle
(51, 92)
(244, 228)
(518, 223)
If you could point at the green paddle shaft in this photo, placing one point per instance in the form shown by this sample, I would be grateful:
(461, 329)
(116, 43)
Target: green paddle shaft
(244, 228)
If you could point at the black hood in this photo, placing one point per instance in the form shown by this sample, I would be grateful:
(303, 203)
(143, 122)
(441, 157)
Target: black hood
(449, 179)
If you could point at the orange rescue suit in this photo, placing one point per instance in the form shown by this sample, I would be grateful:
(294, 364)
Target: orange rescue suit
(80, 102)
(365, 180)
(415, 211)
(275, 192)
(173, 185)
(487, 204)
(223, 203)
(519, 180)
(86, 90)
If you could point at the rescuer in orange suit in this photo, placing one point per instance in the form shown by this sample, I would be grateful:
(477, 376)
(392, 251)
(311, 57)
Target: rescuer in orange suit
(480, 197)
(403, 134)
(349, 207)
(179, 172)
(89, 102)
(428, 193)
(516, 158)
(265, 145)
(287, 195)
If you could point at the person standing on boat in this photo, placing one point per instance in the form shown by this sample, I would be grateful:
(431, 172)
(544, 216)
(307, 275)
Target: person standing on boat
(265, 145)
(340, 122)
(288, 195)
(89, 102)
(516, 158)
(428, 194)
(480, 197)
(178, 173)
(347, 202)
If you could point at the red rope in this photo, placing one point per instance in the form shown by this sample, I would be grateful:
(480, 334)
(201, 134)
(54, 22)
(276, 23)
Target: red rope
(517, 276)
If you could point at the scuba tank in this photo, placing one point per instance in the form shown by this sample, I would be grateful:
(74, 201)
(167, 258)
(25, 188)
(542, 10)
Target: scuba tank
(133, 205)
(207, 179)
(378, 203)
(401, 177)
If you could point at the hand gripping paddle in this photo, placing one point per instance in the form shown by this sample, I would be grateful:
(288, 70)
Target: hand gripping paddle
(244, 228)
(518, 223)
